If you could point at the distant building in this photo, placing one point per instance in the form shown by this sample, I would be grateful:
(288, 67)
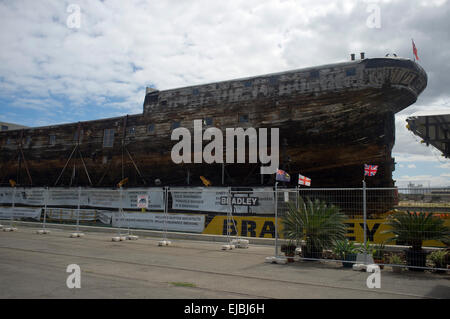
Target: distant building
(10, 126)
(415, 189)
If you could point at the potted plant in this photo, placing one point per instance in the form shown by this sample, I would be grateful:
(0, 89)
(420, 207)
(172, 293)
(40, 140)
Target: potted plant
(438, 260)
(395, 261)
(414, 228)
(378, 255)
(289, 250)
(313, 225)
(346, 251)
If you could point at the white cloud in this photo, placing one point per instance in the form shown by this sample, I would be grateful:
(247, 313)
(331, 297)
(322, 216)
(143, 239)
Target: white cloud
(123, 46)
(411, 166)
(444, 165)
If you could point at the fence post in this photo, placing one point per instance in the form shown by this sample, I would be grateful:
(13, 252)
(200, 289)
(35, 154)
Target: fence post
(13, 206)
(120, 213)
(77, 233)
(166, 210)
(365, 221)
(78, 209)
(43, 230)
(165, 241)
(276, 219)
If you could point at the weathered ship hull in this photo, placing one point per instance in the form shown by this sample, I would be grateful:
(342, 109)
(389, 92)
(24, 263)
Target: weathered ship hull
(332, 120)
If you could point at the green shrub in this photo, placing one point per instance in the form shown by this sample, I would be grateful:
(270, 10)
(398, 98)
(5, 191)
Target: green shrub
(414, 228)
(344, 248)
(317, 224)
(438, 258)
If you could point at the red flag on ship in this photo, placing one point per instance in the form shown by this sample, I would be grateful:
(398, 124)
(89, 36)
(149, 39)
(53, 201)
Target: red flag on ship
(414, 49)
(370, 170)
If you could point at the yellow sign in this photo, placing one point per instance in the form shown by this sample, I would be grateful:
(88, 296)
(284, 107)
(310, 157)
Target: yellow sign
(264, 227)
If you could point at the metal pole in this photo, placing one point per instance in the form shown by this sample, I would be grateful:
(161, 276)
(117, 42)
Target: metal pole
(228, 215)
(78, 209)
(365, 220)
(45, 207)
(13, 206)
(276, 220)
(223, 173)
(166, 211)
(119, 212)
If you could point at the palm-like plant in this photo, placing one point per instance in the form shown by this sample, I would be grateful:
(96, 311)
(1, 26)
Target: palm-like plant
(413, 229)
(316, 224)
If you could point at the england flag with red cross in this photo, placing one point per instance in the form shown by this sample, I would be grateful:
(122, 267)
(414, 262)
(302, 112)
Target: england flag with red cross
(303, 180)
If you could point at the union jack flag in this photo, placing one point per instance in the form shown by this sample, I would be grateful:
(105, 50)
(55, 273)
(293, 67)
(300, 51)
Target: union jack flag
(370, 170)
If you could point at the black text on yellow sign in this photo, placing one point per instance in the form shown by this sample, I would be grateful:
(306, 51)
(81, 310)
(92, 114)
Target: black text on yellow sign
(264, 227)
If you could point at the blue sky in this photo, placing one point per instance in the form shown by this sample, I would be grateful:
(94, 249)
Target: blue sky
(52, 73)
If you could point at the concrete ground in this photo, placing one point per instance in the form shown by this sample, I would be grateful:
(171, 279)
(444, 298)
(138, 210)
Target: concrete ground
(34, 266)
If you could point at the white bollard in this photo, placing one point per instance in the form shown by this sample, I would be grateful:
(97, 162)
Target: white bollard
(240, 243)
(281, 260)
(270, 260)
(359, 267)
(228, 247)
(164, 243)
(119, 238)
(276, 260)
(76, 235)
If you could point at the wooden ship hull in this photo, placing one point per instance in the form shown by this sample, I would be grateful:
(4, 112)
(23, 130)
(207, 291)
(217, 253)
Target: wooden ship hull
(332, 120)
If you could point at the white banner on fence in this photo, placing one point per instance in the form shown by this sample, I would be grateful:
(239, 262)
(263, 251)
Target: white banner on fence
(95, 197)
(177, 222)
(29, 196)
(20, 212)
(215, 199)
(85, 215)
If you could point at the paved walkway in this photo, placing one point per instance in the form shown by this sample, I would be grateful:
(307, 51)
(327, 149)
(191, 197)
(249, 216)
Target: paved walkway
(34, 266)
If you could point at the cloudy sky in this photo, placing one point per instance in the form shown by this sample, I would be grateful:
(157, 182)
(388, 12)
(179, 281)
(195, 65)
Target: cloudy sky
(68, 61)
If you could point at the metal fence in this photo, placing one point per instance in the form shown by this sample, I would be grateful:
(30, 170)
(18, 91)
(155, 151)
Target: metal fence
(389, 226)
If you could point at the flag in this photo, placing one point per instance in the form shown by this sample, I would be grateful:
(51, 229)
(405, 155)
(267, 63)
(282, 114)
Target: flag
(370, 170)
(303, 180)
(122, 182)
(282, 176)
(205, 181)
(414, 49)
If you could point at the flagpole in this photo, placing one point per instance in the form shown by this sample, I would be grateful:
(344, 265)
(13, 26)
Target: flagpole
(365, 219)
(276, 220)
